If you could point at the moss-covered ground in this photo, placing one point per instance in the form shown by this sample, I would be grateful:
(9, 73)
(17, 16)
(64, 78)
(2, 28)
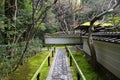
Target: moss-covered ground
(86, 68)
(26, 71)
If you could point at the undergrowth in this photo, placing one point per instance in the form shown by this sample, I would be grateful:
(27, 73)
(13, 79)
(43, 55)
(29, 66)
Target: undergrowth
(86, 68)
(26, 71)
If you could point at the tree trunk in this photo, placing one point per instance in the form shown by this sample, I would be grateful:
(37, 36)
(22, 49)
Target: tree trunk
(92, 50)
(90, 39)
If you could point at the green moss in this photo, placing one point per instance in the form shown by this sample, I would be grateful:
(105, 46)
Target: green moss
(97, 23)
(85, 67)
(26, 71)
(88, 24)
(114, 19)
(45, 70)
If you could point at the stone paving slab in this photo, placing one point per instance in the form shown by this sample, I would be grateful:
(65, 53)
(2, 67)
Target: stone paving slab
(60, 69)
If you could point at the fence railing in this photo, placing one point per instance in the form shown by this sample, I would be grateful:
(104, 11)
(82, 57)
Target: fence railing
(80, 75)
(36, 76)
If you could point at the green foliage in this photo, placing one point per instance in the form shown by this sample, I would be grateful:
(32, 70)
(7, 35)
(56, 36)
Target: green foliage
(23, 20)
(11, 29)
(85, 67)
(26, 71)
(114, 20)
(8, 60)
(40, 27)
(2, 18)
(35, 45)
(51, 22)
(1, 6)
(28, 6)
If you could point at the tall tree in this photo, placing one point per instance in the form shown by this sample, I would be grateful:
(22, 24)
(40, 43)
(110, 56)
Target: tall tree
(10, 11)
(38, 15)
(66, 12)
(115, 4)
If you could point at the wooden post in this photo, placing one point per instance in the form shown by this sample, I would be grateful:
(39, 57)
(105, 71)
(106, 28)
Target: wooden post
(38, 76)
(52, 53)
(78, 76)
(70, 61)
(49, 61)
(54, 49)
(67, 53)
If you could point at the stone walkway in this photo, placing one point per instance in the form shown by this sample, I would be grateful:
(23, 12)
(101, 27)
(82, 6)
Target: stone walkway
(60, 69)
